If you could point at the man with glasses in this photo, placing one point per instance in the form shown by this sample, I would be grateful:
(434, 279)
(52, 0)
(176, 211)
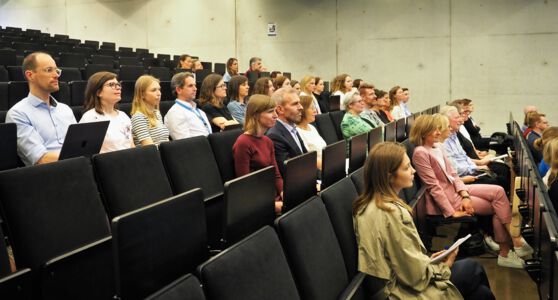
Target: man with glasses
(42, 122)
(184, 119)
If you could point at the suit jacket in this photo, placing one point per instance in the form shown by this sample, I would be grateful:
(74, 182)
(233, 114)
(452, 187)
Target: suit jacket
(284, 144)
(442, 197)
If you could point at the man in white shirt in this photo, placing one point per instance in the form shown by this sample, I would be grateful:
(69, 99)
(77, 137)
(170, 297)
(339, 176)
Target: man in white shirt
(184, 119)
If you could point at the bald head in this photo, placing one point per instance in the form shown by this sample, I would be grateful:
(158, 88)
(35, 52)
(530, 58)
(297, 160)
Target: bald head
(529, 108)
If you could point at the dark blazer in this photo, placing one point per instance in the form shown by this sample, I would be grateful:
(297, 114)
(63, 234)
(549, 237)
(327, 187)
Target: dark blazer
(284, 144)
(474, 131)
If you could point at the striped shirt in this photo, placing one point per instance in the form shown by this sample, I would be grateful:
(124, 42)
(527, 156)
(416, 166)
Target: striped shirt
(141, 129)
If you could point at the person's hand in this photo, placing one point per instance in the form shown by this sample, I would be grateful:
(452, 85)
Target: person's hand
(436, 254)
(482, 154)
(450, 259)
(278, 207)
(468, 179)
(460, 213)
(467, 206)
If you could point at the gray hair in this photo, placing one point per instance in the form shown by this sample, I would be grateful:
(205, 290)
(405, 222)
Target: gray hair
(279, 95)
(447, 110)
(349, 97)
(254, 59)
(178, 80)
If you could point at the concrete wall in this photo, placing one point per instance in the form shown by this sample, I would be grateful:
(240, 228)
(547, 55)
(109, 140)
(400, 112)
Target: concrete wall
(500, 53)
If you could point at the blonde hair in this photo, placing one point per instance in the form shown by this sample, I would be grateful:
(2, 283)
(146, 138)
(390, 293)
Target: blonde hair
(379, 169)
(338, 83)
(138, 103)
(256, 105)
(550, 156)
(424, 125)
(547, 135)
(305, 81)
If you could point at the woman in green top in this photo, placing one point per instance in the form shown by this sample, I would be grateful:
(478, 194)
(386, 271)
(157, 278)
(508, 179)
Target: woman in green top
(352, 123)
(389, 246)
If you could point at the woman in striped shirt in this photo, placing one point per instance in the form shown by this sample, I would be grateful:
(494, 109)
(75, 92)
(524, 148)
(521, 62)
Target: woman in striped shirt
(147, 122)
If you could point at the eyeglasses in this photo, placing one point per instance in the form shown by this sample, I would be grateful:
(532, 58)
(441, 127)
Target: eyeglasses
(52, 69)
(223, 86)
(114, 85)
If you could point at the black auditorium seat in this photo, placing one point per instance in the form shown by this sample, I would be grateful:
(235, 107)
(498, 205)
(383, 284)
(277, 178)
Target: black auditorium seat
(75, 60)
(185, 287)
(131, 72)
(222, 143)
(326, 128)
(357, 177)
(130, 179)
(91, 69)
(8, 57)
(333, 163)
(15, 73)
(57, 227)
(253, 269)
(161, 73)
(249, 204)
(70, 74)
(358, 147)
(102, 60)
(336, 119)
(158, 243)
(299, 180)
(17, 90)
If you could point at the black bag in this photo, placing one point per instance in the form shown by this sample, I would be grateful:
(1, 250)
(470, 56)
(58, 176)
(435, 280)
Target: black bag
(473, 246)
(500, 141)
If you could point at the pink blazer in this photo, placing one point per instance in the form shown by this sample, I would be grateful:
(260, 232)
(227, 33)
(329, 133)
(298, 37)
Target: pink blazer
(442, 197)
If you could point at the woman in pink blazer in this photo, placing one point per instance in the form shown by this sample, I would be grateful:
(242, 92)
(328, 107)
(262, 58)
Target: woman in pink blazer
(449, 196)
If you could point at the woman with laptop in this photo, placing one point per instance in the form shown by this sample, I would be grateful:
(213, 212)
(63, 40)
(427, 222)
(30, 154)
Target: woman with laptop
(102, 94)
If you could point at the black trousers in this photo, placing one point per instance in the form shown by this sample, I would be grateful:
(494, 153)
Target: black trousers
(470, 279)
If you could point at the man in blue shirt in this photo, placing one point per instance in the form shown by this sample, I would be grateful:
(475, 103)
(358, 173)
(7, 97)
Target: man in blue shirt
(42, 122)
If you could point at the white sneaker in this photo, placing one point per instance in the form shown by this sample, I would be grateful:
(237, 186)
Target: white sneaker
(524, 250)
(491, 243)
(512, 261)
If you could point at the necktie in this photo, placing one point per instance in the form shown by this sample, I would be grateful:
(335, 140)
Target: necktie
(298, 139)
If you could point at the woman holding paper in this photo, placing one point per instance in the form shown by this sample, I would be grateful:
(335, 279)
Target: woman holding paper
(389, 246)
(447, 195)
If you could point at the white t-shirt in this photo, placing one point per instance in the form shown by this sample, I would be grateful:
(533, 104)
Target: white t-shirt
(119, 132)
(312, 139)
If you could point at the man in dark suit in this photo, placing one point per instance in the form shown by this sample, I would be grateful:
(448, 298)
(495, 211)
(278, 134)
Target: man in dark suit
(286, 140)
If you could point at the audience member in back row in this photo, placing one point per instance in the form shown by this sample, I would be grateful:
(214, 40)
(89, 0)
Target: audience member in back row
(281, 81)
(526, 110)
(352, 123)
(312, 139)
(185, 62)
(286, 140)
(184, 119)
(147, 122)
(537, 124)
(448, 196)
(238, 91)
(341, 85)
(263, 86)
(42, 122)
(308, 86)
(548, 135)
(232, 69)
(255, 67)
(382, 101)
(403, 104)
(197, 65)
(321, 95)
(464, 164)
(389, 246)
(396, 98)
(296, 85)
(470, 128)
(370, 112)
(253, 150)
(550, 179)
(102, 95)
(213, 93)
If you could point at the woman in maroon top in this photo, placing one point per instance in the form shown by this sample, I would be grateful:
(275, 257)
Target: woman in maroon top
(253, 150)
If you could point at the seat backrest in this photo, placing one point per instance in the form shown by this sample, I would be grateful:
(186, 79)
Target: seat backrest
(60, 213)
(313, 251)
(333, 163)
(185, 287)
(4, 258)
(4, 77)
(156, 244)
(166, 91)
(409, 123)
(249, 204)
(127, 90)
(76, 60)
(253, 269)
(326, 129)
(102, 60)
(161, 73)
(375, 136)
(299, 180)
(91, 69)
(400, 130)
(389, 132)
(190, 164)
(77, 91)
(17, 90)
(63, 94)
(334, 102)
(130, 179)
(15, 73)
(358, 147)
(131, 72)
(128, 61)
(8, 57)
(220, 68)
(357, 177)
(222, 144)
(17, 285)
(4, 96)
(70, 74)
(338, 200)
(8, 147)
(336, 119)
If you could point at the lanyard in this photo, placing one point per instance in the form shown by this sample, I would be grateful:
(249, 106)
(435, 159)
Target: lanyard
(196, 112)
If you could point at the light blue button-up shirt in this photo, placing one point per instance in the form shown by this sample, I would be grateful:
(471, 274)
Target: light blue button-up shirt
(461, 162)
(40, 128)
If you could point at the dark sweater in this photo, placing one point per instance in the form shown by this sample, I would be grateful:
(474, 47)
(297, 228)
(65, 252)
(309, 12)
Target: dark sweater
(252, 153)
